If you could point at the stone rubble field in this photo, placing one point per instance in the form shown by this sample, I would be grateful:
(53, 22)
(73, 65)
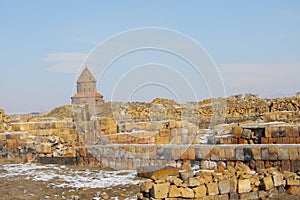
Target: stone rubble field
(237, 182)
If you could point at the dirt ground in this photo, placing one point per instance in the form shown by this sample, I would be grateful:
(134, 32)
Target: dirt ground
(24, 186)
(22, 189)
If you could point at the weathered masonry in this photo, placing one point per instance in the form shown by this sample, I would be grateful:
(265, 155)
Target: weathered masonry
(286, 157)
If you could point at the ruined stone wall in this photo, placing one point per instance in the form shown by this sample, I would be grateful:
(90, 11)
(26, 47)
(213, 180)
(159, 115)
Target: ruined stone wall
(122, 156)
(44, 141)
(262, 133)
(110, 118)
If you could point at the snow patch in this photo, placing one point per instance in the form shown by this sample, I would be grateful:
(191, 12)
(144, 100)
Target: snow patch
(62, 176)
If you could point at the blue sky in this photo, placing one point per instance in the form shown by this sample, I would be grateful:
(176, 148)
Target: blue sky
(255, 45)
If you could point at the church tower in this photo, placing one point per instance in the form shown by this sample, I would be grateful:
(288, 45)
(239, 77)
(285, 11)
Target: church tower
(87, 90)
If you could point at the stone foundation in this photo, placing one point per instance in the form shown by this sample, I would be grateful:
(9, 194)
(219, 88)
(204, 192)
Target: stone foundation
(45, 142)
(122, 156)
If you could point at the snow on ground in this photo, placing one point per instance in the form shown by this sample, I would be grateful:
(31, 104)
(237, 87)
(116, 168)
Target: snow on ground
(63, 176)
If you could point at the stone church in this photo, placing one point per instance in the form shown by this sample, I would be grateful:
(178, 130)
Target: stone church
(87, 90)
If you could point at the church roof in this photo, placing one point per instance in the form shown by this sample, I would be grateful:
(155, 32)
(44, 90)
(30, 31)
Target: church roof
(86, 76)
(87, 94)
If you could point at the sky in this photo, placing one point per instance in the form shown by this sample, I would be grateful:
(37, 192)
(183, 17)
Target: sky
(254, 45)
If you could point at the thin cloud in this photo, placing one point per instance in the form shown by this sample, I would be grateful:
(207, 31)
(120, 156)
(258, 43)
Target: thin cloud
(64, 62)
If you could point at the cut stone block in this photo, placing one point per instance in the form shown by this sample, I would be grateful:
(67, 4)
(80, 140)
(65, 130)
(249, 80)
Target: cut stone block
(244, 185)
(187, 193)
(200, 191)
(157, 172)
(160, 191)
(174, 191)
(224, 186)
(212, 189)
(268, 183)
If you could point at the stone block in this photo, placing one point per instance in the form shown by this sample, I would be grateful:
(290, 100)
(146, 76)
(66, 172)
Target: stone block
(198, 154)
(157, 172)
(283, 153)
(239, 154)
(176, 181)
(272, 151)
(214, 154)
(234, 196)
(224, 186)
(223, 197)
(262, 194)
(293, 153)
(174, 132)
(206, 164)
(146, 186)
(256, 153)
(70, 153)
(164, 132)
(295, 165)
(3, 136)
(177, 153)
(233, 184)
(12, 144)
(162, 140)
(275, 132)
(265, 153)
(164, 153)
(248, 154)
(185, 175)
(192, 182)
(291, 131)
(187, 193)
(15, 127)
(237, 132)
(200, 191)
(189, 154)
(244, 185)
(246, 134)
(212, 189)
(268, 132)
(264, 140)
(286, 165)
(160, 191)
(293, 182)
(250, 195)
(229, 153)
(294, 190)
(208, 178)
(182, 123)
(278, 179)
(176, 139)
(267, 183)
(243, 141)
(174, 191)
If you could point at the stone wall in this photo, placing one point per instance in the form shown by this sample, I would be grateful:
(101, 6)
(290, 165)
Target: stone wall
(263, 133)
(44, 141)
(122, 156)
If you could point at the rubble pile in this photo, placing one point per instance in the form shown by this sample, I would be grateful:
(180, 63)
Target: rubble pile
(3, 120)
(61, 113)
(263, 133)
(237, 182)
